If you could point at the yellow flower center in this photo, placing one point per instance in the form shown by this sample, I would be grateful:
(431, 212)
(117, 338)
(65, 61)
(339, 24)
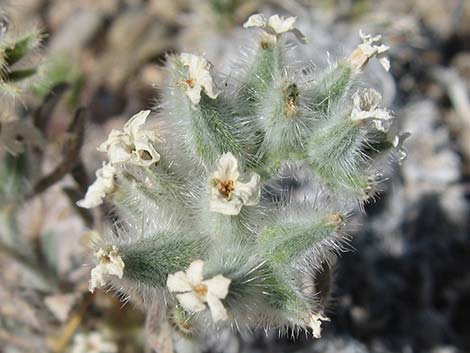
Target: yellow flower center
(190, 82)
(225, 187)
(201, 289)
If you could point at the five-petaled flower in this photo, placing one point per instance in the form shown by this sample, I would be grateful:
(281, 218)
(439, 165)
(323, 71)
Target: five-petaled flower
(199, 78)
(103, 185)
(366, 109)
(132, 144)
(367, 50)
(314, 321)
(275, 26)
(109, 264)
(228, 192)
(193, 292)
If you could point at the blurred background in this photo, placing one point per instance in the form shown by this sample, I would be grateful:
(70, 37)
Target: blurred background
(405, 284)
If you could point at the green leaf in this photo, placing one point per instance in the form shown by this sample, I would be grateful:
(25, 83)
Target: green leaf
(18, 75)
(16, 51)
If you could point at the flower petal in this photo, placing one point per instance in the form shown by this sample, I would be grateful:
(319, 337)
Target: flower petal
(103, 185)
(135, 123)
(208, 84)
(281, 24)
(216, 307)
(218, 286)
(178, 282)
(385, 62)
(256, 20)
(315, 321)
(227, 207)
(227, 168)
(116, 266)
(194, 272)
(97, 278)
(191, 302)
(249, 192)
(194, 93)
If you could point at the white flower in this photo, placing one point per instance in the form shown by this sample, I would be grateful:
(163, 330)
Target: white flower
(199, 77)
(194, 292)
(275, 26)
(367, 49)
(398, 144)
(110, 264)
(132, 144)
(366, 109)
(16, 134)
(228, 192)
(93, 342)
(103, 185)
(314, 321)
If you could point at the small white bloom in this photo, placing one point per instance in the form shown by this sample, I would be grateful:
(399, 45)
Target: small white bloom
(16, 134)
(194, 292)
(314, 322)
(103, 185)
(366, 108)
(275, 26)
(93, 342)
(133, 144)
(199, 77)
(109, 264)
(229, 193)
(398, 144)
(367, 50)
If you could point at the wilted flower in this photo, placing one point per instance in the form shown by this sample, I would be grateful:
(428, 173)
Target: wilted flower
(366, 109)
(103, 185)
(314, 321)
(132, 144)
(16, 134)
(367, 50)
(275, 26)
(194, 292)
(229, 193)
(93, 342)
(199, 77)
(110, 264)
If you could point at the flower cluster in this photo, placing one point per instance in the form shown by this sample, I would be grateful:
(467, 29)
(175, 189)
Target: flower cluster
(216, 223)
